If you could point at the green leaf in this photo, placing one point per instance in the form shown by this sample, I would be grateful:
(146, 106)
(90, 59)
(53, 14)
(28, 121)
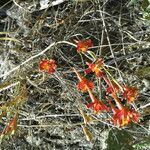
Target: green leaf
(148, 9)
(143, 72)
(145, 4)
(132, 2)
(119, 140)
(142, 145)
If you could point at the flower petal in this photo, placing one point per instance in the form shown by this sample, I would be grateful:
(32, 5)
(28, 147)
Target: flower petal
(82, 46)
(48, 65)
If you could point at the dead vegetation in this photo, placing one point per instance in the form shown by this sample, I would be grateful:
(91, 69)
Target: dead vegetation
(51, 112)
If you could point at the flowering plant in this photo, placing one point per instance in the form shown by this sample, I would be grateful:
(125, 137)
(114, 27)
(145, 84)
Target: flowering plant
(48, 65)
(122, 114)
(117, 98)
(84, 45)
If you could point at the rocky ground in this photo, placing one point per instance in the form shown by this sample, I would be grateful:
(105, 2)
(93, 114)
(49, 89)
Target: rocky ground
(49, 107)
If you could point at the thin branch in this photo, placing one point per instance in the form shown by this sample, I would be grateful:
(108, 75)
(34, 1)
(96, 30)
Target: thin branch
(9, 86)
(35, 56)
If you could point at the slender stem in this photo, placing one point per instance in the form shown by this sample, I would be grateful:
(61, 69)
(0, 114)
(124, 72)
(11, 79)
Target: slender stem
(91, 95)
(119, 105)
(113, 78)
(35, 56)
(78, 75)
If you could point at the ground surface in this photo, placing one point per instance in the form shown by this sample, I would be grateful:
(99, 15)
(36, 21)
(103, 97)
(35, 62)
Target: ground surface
(48, 105)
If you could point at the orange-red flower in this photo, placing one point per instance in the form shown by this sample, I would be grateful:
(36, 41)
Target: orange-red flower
(95, 67)
(84, 84)
(123, 116)
(48, 66)
(96, 104)
(82, 46)
(130, 94)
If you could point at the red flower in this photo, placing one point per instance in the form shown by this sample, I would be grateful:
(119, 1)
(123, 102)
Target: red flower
(95, 67)
(82, 46)
(130, 94)
(123, 116)
(96, 104)
(48, 65)
(84, 84)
